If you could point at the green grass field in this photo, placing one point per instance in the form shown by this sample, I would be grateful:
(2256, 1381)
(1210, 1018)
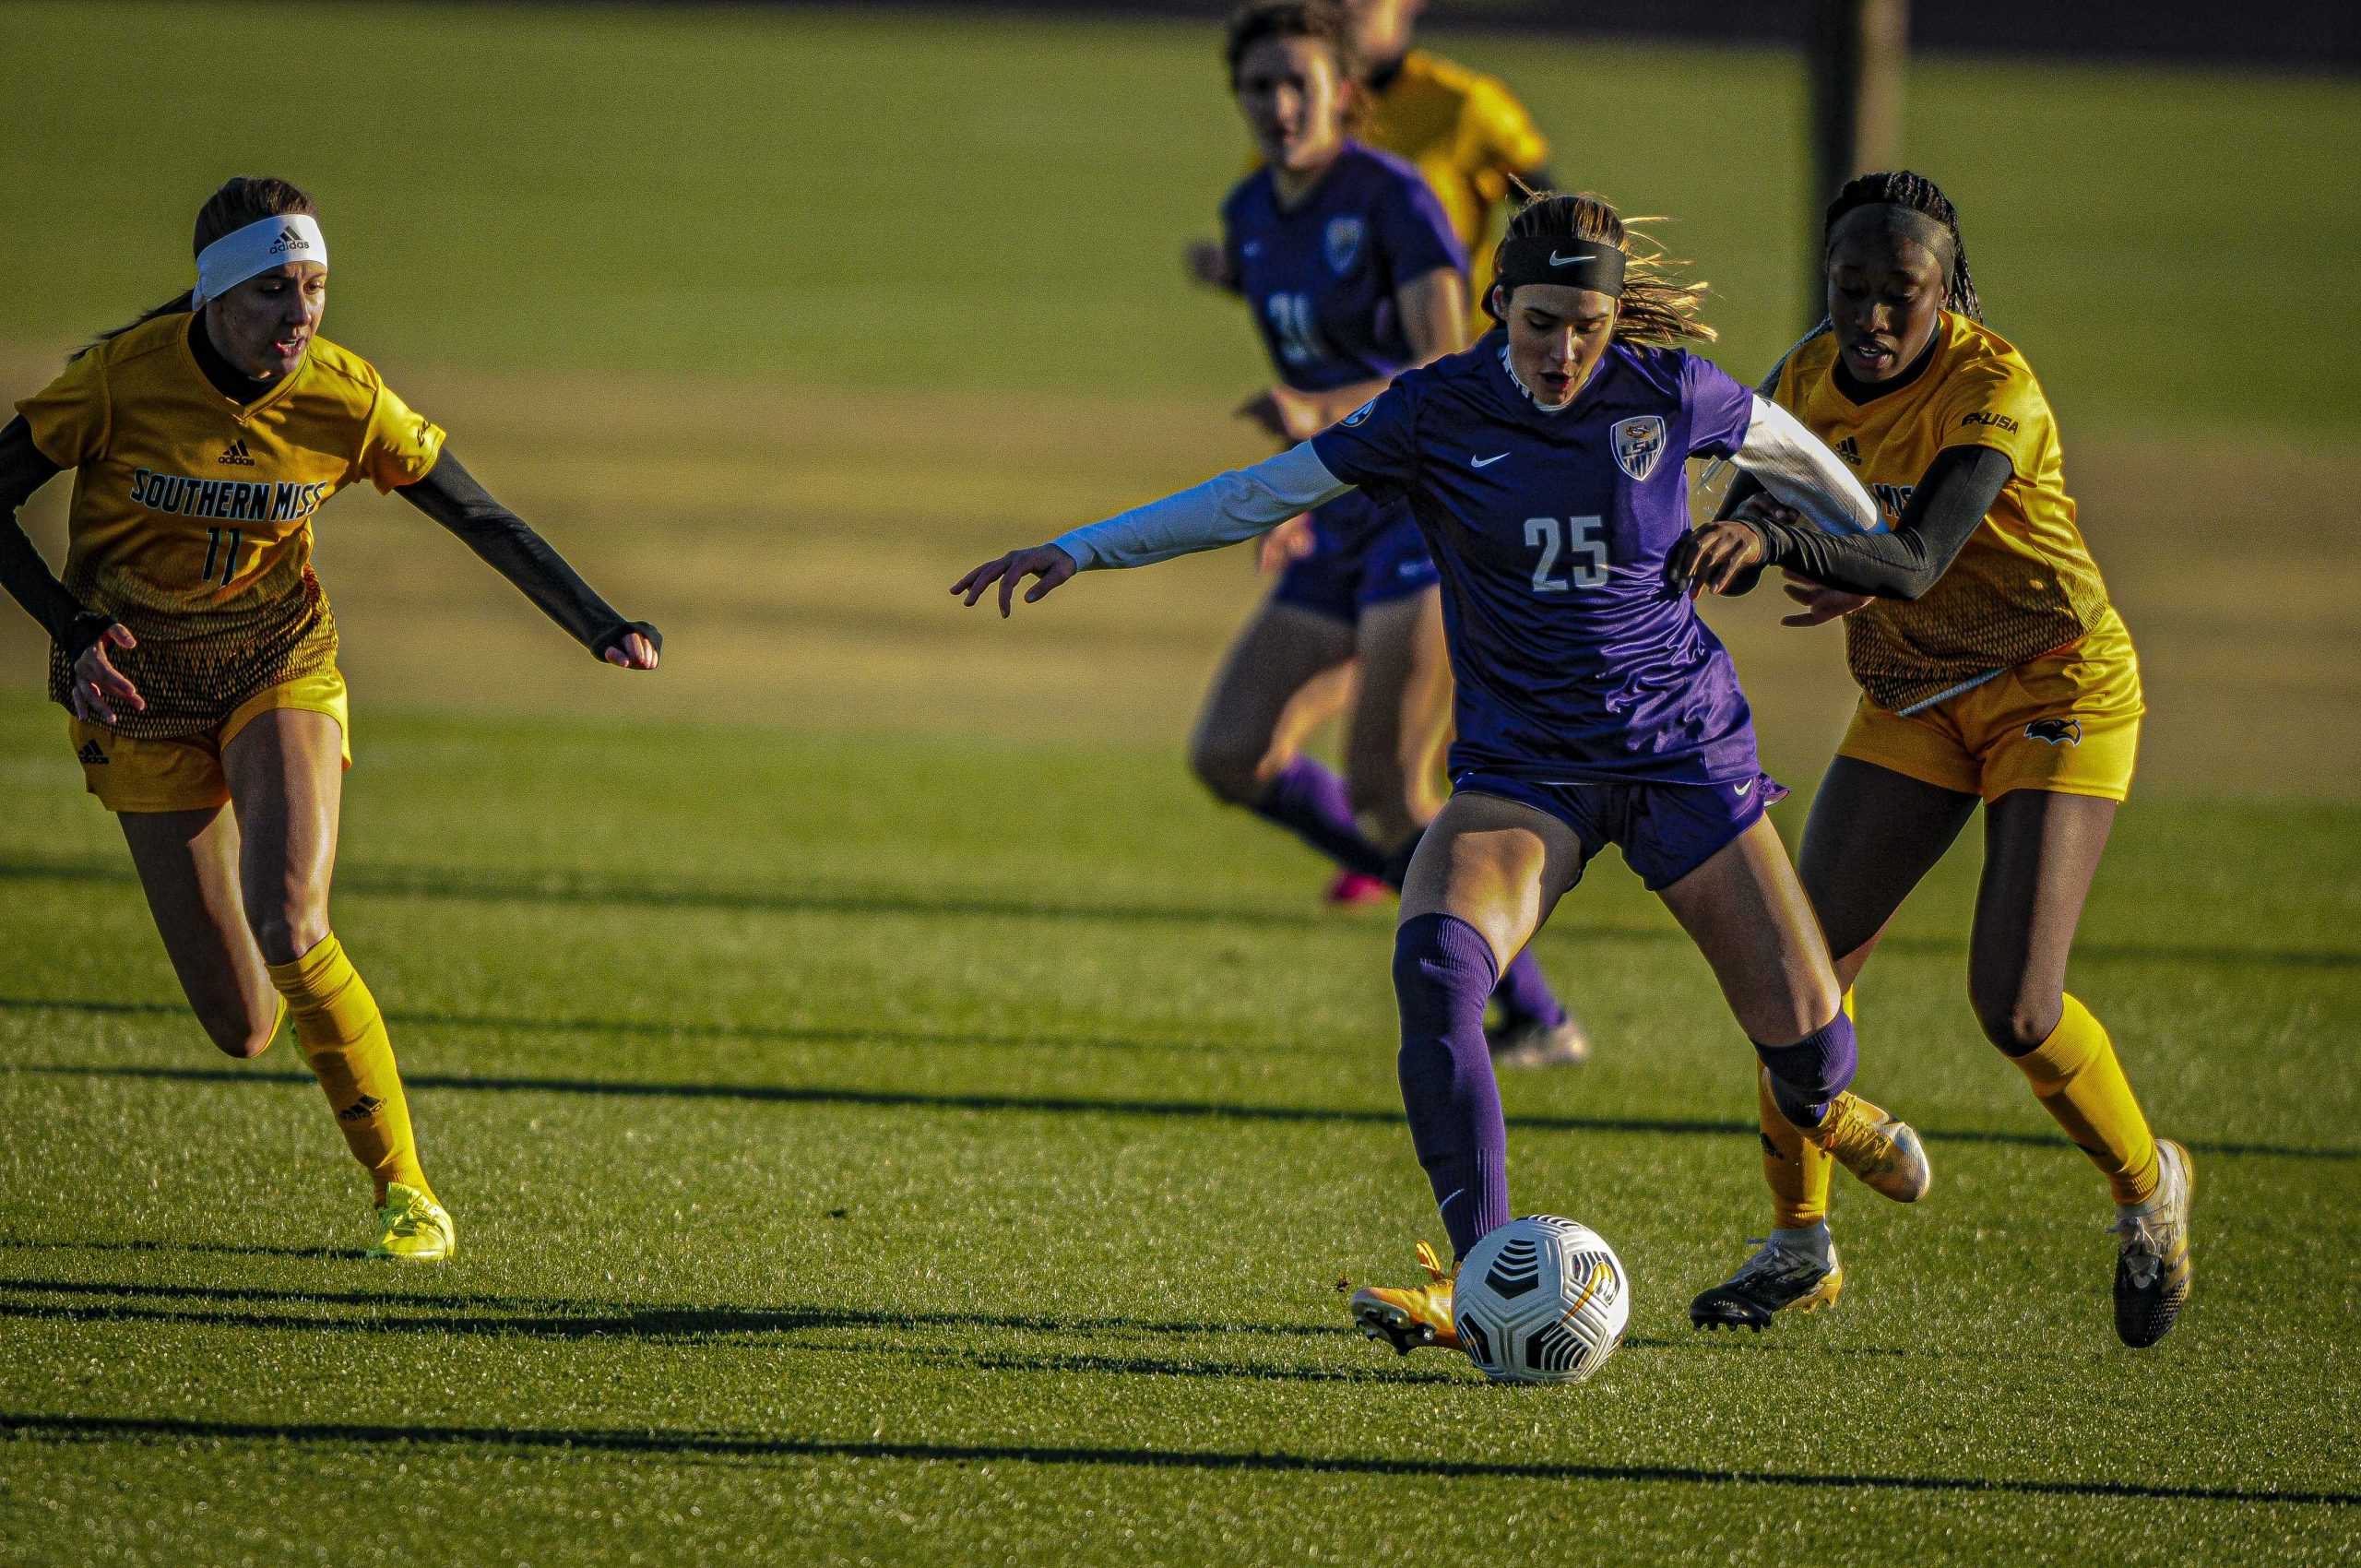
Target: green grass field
(890, 1114)
(938, 1151)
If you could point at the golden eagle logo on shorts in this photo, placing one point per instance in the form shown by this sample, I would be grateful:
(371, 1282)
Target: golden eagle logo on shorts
(1637, 445)
(2057, 731)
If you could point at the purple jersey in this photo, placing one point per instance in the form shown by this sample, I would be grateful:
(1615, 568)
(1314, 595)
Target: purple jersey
(1575, 660)
(1322, 275)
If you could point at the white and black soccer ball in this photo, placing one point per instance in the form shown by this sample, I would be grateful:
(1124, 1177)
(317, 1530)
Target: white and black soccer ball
(1541, 1299)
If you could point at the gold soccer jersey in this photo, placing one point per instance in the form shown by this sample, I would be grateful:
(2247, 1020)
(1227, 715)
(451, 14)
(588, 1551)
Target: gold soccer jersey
(1466, 134)
(2024, 583)
(191, 521)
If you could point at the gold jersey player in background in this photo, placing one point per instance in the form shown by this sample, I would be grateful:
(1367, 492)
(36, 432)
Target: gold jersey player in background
(1474, 142)
(1994, 672)
(196, 654)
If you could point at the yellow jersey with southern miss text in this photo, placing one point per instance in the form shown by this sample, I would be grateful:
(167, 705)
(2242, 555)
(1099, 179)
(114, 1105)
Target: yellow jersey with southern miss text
(1466, 134)
(191, 521)
(2024, 582)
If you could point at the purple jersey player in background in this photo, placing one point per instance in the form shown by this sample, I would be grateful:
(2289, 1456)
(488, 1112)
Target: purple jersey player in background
(1545, 466)
(1352, 273)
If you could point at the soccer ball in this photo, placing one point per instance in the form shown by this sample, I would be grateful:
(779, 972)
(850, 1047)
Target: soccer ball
(1541, 1299)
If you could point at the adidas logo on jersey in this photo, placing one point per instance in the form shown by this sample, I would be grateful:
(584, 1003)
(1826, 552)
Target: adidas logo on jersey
(236, 453)
(1850, 450)
(89, 755)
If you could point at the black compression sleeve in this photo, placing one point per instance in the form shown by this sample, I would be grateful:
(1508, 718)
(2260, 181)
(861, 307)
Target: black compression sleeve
(1948, 504)
(22, 571)
(451, 496)
(1743, 489)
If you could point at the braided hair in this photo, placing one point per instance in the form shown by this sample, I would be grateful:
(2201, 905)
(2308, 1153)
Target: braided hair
(1900, 188)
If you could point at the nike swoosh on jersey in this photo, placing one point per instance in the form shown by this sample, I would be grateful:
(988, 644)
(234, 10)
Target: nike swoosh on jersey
(1486, 462)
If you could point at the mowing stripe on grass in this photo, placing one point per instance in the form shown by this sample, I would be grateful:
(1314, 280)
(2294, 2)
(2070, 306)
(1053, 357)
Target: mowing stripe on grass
(70, 1428)
(1065, 1105)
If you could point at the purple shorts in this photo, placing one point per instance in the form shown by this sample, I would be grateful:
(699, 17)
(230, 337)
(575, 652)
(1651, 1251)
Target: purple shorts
(1665, 831)
(1362, 554)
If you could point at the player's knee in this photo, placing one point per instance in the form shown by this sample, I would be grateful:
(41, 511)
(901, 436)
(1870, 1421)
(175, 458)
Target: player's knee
(285, 932)
(238, 1033)
(1231, 771)
(2013, 1019)
(1443, 974)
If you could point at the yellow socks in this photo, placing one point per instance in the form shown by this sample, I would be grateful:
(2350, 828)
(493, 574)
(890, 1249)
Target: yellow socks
(2076, 1078)
(1797, 1171)
(343, 1036)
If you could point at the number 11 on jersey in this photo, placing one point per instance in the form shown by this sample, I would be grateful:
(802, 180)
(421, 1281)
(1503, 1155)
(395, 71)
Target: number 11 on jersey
(1575, 539)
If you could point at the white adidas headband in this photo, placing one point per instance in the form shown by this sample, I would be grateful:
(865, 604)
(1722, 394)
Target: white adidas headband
(260, 246)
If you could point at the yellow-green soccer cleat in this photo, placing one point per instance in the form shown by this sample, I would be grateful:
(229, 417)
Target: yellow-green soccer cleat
(2152, 1270)
(412, 1228)
(1413, 1316)
(1882, 1150)
(1775, 1279)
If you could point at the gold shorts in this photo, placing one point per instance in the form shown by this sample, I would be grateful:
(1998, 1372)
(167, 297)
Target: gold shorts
(2068, 723)
(184, 772)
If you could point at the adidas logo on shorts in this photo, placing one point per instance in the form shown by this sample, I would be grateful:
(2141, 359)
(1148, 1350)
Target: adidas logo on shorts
(236, 453)
(89, 755)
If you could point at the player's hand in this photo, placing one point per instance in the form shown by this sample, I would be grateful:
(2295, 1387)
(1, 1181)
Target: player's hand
(1208, 263)
(635, 652)
(1285, 545)
(99, 686)
(1821, 603)
(1715, 558)
(1289, 415)
(1046, 562)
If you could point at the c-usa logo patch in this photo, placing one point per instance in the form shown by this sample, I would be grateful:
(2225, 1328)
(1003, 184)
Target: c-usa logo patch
(1343, 243)
(1359, 415)
(1638, 444)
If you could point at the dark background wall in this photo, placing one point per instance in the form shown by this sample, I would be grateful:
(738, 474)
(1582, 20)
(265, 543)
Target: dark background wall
(2310, 35)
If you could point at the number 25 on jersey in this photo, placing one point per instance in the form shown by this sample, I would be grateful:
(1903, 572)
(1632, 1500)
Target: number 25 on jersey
(1572, 541)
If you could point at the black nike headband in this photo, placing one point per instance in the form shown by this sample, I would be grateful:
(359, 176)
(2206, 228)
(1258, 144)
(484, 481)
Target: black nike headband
(1555, 259)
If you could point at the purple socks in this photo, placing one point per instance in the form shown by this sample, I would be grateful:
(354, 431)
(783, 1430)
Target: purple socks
(1309, 801)
(1806, 1076)
(1524, 994)
(1443, 973)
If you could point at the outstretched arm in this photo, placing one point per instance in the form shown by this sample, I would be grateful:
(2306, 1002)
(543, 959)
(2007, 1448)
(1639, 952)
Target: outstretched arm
(1225, 509)
(451, 496)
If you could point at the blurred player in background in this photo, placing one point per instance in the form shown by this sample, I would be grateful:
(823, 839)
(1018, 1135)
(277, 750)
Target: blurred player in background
(1352, 274)
(1545, 468)
(197, 656)
(1994, 670)
(1466, 133)
(1474, 143)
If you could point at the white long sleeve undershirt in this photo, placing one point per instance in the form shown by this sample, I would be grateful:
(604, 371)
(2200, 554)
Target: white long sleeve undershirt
(1225, 509)
(1789, 460)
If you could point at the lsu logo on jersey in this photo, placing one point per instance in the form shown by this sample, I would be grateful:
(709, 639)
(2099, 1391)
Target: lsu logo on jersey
(1638, 444)
(1342, 244)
